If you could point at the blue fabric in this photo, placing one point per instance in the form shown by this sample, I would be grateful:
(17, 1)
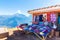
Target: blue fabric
(41, 23)
(38, 29)
(59, 19)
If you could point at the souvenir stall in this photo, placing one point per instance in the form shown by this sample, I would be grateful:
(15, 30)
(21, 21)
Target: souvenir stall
(47, 19)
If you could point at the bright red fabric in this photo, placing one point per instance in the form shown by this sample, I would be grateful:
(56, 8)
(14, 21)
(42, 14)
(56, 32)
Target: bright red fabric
(48, 17)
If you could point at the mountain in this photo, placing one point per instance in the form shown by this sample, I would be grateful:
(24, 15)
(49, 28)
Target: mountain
(14, 20)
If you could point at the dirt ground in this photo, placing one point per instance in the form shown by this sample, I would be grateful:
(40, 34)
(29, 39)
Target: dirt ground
(22, 36)
(14, 34)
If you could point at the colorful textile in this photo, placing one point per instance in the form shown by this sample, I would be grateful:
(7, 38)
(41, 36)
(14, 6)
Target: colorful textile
(48, 17)
(39, 29)
(58, 19)
(46, 23)
(41, 23)
(53, 17)
(45, 16)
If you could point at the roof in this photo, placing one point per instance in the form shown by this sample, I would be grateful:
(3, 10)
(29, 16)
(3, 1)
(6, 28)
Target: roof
(55, 8)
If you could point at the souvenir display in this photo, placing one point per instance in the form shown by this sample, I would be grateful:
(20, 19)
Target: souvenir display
(46, 23)
(45, 16)
(38, 28)
(42, 24)
(53, 17)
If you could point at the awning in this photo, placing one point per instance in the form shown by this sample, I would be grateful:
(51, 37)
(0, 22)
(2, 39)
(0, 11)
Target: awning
(55, 8)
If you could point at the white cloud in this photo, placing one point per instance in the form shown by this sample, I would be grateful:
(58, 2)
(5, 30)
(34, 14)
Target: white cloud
(26, 14)
(19, 11)
(23, 13)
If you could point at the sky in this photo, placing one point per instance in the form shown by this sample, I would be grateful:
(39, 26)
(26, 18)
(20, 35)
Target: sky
(11, 7)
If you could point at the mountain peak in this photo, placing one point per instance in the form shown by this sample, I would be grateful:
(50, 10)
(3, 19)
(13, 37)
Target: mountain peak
(14, 20)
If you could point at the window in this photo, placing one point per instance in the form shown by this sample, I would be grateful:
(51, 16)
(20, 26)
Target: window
(38, 18)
